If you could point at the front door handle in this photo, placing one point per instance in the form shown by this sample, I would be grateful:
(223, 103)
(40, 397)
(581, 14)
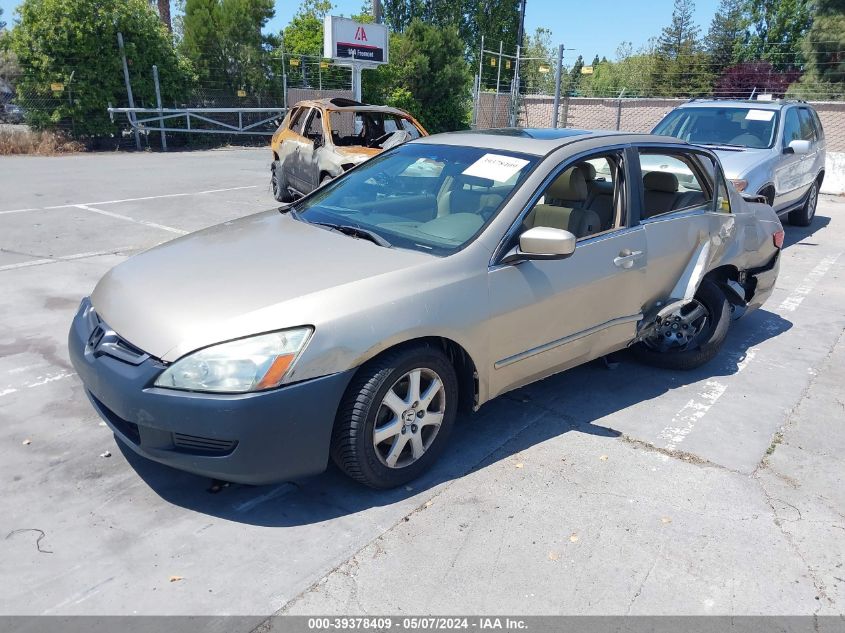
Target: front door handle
(627, 258)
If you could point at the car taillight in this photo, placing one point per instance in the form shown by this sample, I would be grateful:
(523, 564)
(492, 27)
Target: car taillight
(777, 238)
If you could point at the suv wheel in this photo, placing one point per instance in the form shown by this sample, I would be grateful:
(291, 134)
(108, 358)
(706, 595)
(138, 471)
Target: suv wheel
(396, 417)
(804, 215)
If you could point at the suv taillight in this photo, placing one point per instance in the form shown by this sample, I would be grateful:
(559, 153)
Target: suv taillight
(777, 238)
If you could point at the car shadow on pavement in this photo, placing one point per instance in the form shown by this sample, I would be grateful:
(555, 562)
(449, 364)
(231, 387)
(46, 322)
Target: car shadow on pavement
(577, 400)
(795, 234)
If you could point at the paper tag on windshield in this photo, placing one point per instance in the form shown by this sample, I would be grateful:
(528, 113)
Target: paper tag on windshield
(495, 167)
(760, 115)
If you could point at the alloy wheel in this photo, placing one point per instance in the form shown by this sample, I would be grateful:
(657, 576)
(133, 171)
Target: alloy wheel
(680, 329)
(409, 418)
(812, 202)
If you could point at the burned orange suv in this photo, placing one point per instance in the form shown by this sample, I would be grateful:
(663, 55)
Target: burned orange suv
(319, 140)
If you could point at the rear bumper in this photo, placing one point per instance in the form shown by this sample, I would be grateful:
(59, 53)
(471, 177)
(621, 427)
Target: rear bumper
(254, 438)
(760, 282)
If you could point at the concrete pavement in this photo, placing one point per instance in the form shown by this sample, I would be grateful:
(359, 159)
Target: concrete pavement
(596, 491)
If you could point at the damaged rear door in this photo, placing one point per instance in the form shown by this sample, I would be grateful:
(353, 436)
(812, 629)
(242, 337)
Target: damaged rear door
(686, 223)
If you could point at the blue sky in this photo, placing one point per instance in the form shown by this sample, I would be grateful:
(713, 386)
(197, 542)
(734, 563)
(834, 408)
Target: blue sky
(588, 28)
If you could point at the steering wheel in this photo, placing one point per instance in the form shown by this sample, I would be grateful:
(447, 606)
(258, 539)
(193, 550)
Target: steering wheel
(381, 139)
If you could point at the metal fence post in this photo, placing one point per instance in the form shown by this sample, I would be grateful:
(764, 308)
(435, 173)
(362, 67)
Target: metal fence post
(566, 106)
(619, 109)
(515, 90)
(498, 81)
(128, 88)
(475, 115)
(158, 105)
(557, 84)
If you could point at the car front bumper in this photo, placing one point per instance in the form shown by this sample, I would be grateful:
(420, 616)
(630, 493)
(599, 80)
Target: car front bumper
(253, 438)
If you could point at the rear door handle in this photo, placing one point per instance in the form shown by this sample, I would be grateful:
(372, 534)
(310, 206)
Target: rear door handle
(627, 258)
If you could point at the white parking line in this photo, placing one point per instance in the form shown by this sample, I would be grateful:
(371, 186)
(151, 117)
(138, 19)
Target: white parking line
(166, 195)
(154, 225)
(39, 381)
(17, 211)
(791, 303)
(64, 258)
(684, 420)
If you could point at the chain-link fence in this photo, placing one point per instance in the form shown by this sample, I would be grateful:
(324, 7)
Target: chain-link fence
(635, 92)
(215, 107)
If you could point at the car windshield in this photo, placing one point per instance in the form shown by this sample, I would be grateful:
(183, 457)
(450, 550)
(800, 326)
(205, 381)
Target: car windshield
(432, 198)
(738, 127)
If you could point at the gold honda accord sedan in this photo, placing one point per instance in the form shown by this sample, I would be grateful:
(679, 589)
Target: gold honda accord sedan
(355, 323)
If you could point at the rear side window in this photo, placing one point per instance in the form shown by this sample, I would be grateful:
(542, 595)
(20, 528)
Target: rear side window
(808, 130)
(817, 124)
(672, 182)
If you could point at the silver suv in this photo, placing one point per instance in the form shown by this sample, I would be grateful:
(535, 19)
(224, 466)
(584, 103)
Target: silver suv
(773, 149)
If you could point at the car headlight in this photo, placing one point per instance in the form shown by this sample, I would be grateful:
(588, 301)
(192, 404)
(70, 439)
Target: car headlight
(250, 364)
(739, 184)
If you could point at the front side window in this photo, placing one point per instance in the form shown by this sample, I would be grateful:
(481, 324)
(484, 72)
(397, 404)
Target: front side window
(791, 127)
(296, 119)
(586, 198)
(749, 127)
(315, 127)
(672, 182)
(432, 198)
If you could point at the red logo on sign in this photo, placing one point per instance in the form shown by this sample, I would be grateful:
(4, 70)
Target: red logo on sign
(360, 34)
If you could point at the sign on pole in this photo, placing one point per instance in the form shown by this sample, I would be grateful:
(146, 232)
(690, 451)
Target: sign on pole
(351, 43)
(345, 40)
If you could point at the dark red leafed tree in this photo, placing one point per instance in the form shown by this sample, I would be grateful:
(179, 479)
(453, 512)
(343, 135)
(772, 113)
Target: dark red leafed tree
(742, 80)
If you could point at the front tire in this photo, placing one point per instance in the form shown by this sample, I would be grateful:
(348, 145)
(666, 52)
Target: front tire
(395, 417)
(278, 183)
(691, 336)
(804, 215)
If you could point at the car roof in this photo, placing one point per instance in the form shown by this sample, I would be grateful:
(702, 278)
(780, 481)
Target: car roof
(739, 103)
(541, 141)
(339, 104)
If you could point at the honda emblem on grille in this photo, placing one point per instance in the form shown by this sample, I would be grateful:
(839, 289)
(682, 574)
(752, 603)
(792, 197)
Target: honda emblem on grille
(96, 337)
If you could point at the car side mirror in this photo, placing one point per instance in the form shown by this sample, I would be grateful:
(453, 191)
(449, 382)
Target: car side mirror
(542, 242)
(797, 147)
(318, 142)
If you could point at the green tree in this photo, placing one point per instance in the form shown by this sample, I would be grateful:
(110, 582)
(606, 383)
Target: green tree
(304, 34)
(537, 73)
(726, 31)
(775, 31)
(74, 43)
(496, 20)
(574, 78)
(682, 67)
(427, 75)
(822, 47)
(632, 72)
(2, 23)
(224, 41)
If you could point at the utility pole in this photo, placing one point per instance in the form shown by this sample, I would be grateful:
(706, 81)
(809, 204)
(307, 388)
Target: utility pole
(521, 33)
(377, 11)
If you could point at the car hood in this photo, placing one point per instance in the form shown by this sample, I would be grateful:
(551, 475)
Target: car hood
(256, 274)
(739, 163)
